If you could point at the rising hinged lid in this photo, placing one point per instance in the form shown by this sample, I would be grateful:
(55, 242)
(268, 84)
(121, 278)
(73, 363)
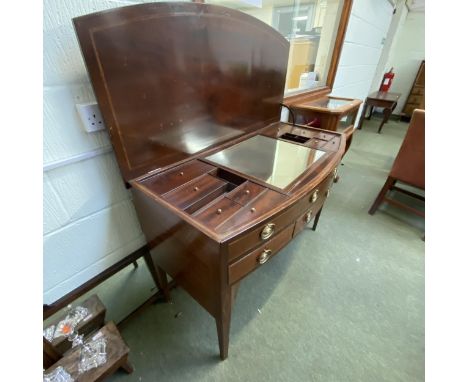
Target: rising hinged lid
(176, 79)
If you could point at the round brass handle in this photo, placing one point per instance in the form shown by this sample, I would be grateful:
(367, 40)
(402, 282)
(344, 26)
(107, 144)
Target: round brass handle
(314, 196)
(264, 256)
(267, 231)
(308, 217)
(219, 211)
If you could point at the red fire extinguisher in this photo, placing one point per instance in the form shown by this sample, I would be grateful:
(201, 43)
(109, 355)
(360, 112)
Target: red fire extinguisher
(387, 81)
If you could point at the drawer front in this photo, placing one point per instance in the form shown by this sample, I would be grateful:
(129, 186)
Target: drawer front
(217, 212)
(245, 193)
(313, 200)
(302, 221)
(178, 176)
(259, 256)
(188, 194)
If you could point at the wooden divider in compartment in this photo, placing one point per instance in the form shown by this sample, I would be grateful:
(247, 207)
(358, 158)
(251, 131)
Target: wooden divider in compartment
(211, 195)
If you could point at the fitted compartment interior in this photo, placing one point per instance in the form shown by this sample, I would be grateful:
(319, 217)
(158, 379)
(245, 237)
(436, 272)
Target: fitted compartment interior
(199, 193)
(294, 138)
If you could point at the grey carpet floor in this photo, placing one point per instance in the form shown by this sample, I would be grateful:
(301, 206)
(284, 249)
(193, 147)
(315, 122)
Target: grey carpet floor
(343, 303)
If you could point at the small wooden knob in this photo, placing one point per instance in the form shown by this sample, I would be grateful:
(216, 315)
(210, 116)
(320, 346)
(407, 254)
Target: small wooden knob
(218, 211)
(195, 188)
(181, 173)
(247, 192)
(253, 209)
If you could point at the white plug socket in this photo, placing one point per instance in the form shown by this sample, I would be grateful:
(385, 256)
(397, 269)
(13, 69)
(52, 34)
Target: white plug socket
(90, 116)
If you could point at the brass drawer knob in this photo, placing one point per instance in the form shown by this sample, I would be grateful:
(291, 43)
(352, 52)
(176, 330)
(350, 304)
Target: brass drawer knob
(308, 216)
(335, 173)
(195, 188)
(327, 193)
(264, 256)
(267, 231)
(314, 196)
(247, 192)
(218, 211)
(181, 173)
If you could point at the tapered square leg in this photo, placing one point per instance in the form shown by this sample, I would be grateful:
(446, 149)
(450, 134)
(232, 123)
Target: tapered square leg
(386, 115)
(316, 219)
(223, 321)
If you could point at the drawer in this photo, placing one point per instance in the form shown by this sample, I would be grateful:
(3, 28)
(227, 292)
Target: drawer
(259, 256)
(192, 192)
(304, 219)
(245, 193)
(313, 200)
(216, 213)
(178, 176)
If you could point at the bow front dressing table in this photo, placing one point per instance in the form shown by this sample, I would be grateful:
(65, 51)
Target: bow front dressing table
(190, 94)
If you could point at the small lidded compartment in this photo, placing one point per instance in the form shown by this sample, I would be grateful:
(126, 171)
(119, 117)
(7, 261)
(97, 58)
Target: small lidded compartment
(173, 178)
(210, 194)
(217, 212)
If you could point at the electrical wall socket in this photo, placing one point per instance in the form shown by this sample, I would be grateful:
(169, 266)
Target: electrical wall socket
(90, 116)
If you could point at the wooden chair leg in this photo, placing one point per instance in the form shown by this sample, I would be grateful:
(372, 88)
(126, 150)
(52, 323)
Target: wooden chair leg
(316, 219)
(380, 197)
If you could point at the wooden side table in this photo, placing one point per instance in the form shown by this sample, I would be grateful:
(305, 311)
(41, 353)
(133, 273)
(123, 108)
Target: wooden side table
(328, 113)
(380, 99)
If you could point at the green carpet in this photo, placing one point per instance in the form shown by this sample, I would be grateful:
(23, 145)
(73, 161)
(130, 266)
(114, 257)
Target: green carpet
(344, 303)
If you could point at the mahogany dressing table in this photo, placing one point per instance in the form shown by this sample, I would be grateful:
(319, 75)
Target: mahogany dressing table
(191, 95)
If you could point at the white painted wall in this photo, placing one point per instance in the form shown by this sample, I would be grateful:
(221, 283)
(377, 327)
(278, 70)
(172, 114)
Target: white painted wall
(398, 20)
(368, 26)
(406, 55)
(89, 219)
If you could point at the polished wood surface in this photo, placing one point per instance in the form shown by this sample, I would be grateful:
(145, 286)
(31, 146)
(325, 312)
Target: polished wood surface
(386, 100)
(219, 81)
(209, 250)
(176, 79)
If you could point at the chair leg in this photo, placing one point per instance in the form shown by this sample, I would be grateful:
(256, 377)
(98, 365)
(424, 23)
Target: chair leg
(380, 197)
